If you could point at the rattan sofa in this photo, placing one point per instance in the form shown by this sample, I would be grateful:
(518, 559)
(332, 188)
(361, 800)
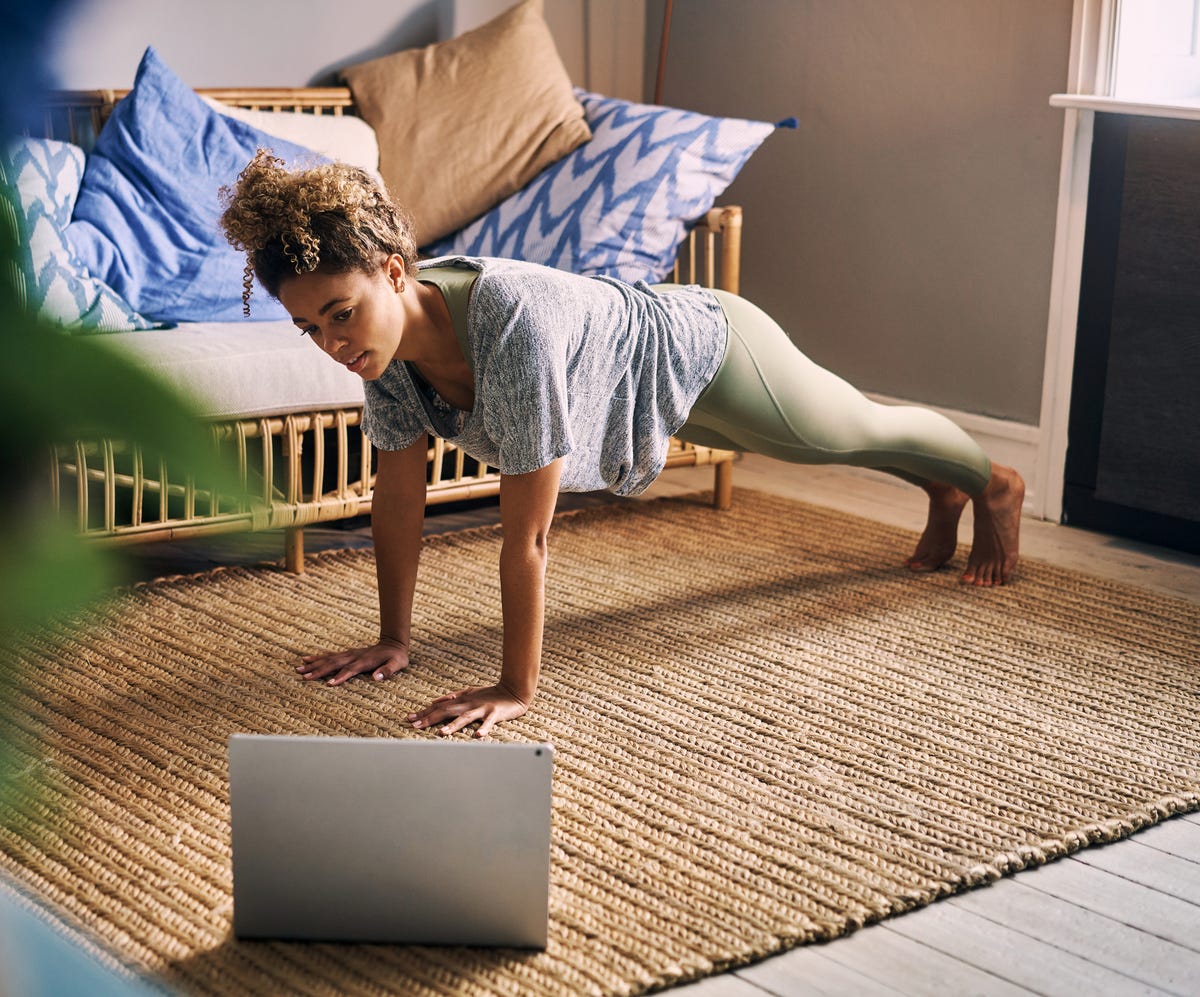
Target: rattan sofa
(300, 467)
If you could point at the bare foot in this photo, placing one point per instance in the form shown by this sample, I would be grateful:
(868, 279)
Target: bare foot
(940, 538)
(997, 529)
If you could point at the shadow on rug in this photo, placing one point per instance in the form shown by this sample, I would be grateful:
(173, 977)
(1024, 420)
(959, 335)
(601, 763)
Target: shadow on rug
(767, 733)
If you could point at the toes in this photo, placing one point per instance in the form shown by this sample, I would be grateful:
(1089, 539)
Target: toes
(979, 575)
(929, 560)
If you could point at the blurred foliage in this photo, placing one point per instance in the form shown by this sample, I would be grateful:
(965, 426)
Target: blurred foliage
(56, 388)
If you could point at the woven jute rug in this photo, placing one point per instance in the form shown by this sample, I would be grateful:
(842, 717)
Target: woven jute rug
(767, 733)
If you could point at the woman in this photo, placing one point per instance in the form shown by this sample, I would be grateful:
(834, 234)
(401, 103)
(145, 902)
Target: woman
(561, 382)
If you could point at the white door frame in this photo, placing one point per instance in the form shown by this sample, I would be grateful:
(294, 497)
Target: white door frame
(1092, 33)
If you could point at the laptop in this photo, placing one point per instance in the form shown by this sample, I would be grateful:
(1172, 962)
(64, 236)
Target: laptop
(390, 840)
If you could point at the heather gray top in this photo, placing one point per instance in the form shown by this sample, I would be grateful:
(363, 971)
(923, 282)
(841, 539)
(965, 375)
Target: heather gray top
(590, 369)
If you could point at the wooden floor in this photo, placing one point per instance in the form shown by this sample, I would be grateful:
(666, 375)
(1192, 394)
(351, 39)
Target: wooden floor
(1119, 919)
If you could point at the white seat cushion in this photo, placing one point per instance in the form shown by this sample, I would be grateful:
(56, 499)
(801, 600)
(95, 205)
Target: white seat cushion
(233, 369)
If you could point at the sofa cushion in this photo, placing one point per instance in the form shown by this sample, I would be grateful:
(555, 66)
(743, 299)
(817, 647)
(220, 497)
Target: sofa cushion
(231, 369)
(343, 138)
(147, 216)
(621, 204)
(464, 123)
(39, 182)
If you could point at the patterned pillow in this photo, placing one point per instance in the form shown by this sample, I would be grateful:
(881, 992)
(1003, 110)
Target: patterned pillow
(621, 204)
(40, 180)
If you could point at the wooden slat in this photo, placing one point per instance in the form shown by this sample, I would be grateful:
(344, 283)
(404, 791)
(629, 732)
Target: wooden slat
(996, 948)
(318, 468)
(294, 97)
(1175, 837)
(1138, 863)
(81, 482)
(138, 487)
(809, 972)
(1138, 906)
(110, 488)
(343, 457)
(163, 490)
(55, 482)
(887, 958)
(720, 986)
(1085, 933)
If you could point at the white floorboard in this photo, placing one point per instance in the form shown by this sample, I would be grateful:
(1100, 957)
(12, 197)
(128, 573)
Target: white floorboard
(1137, 862)
(890, 958)
(726, 985)
(1012, 955)
(1125, 902)
(809, 972)
(1179, 837)
(1082, 932)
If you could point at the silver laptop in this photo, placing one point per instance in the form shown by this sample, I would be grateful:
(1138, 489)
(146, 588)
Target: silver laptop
(390, 840)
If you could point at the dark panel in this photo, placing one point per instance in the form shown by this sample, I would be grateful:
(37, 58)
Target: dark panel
(1149, 448)
(1133, 460)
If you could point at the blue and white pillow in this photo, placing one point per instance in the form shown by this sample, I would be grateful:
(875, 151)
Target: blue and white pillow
(147, 219)
(40, 179)
(620, 204)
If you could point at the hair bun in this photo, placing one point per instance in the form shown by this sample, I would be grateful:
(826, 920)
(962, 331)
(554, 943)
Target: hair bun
(292, 222)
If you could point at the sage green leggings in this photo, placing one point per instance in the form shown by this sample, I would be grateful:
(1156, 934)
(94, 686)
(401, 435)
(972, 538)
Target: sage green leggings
(768, 398)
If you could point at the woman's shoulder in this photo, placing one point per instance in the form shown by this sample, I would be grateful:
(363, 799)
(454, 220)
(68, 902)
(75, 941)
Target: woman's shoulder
(501, 272)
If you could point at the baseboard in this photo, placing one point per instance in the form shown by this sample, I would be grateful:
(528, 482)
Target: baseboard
(1005, 441)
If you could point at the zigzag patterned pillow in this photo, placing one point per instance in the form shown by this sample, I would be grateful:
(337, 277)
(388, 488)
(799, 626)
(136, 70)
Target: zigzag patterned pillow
(40, 180)
(621, 204)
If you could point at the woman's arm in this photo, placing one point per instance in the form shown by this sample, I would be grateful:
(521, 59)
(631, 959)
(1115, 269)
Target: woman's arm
(397, 516)
(527, 504)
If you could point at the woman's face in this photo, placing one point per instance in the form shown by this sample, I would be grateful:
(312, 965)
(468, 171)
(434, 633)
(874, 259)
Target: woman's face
(357, 318)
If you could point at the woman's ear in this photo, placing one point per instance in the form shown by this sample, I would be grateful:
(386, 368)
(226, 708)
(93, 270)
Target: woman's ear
(393, 268)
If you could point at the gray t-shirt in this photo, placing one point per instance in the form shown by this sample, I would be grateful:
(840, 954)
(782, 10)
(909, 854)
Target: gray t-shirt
(590, 369)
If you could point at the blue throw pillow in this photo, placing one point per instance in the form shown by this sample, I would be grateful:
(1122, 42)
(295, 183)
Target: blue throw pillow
(147, 216)
(39, 182)
(621, 204)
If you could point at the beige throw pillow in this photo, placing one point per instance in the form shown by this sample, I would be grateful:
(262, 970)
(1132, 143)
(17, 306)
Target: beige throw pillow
(467, 122)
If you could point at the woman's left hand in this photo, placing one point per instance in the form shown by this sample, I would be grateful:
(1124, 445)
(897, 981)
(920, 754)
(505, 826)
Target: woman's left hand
(487, 705)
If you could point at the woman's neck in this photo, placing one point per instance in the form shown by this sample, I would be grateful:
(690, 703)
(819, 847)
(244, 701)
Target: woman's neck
(429, 333)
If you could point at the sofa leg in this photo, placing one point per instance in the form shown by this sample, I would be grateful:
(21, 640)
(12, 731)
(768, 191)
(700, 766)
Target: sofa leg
(293, 549)
(723, 485)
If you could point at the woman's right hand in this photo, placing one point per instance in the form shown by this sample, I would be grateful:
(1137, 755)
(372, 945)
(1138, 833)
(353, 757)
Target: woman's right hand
(382, 660)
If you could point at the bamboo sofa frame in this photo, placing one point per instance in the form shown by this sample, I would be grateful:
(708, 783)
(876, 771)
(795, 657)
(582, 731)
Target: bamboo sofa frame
(300, 469)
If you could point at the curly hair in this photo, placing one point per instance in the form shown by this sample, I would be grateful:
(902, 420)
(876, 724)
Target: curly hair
(333, 216)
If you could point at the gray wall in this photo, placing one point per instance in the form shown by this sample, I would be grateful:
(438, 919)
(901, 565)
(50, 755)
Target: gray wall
(304, 42)
(903, 235)
(234, 42)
